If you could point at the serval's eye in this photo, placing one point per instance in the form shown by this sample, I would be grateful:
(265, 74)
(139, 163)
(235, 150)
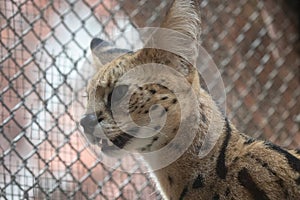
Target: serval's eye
(117, 94)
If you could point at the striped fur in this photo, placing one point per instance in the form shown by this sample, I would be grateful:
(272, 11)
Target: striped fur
(238, 167)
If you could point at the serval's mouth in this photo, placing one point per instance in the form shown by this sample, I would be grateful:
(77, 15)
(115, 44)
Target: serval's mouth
(107, 136)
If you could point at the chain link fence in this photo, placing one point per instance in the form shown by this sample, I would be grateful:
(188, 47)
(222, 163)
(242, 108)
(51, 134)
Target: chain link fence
(44, 54)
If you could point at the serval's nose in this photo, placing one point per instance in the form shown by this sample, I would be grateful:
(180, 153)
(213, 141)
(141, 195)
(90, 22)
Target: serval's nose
(88, 122)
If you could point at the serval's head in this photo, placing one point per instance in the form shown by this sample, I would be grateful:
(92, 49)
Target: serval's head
(138, 100)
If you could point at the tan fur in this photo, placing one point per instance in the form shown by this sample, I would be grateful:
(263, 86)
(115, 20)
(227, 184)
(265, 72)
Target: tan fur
(250, 167)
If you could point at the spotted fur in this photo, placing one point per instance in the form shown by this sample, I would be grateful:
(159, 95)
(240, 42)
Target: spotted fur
(238, 167)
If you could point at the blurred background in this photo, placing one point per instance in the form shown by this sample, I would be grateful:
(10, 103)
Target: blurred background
(45, 65)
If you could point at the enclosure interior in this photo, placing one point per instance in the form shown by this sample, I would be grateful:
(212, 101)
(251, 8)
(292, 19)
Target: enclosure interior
(45, 65)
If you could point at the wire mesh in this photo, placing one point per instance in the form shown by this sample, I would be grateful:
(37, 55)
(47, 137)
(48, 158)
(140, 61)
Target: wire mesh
(44, 54)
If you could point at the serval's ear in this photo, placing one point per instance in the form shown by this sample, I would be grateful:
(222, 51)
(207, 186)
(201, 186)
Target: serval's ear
(183, 21)
(184, 17)
(179, 34)
(104, 52)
